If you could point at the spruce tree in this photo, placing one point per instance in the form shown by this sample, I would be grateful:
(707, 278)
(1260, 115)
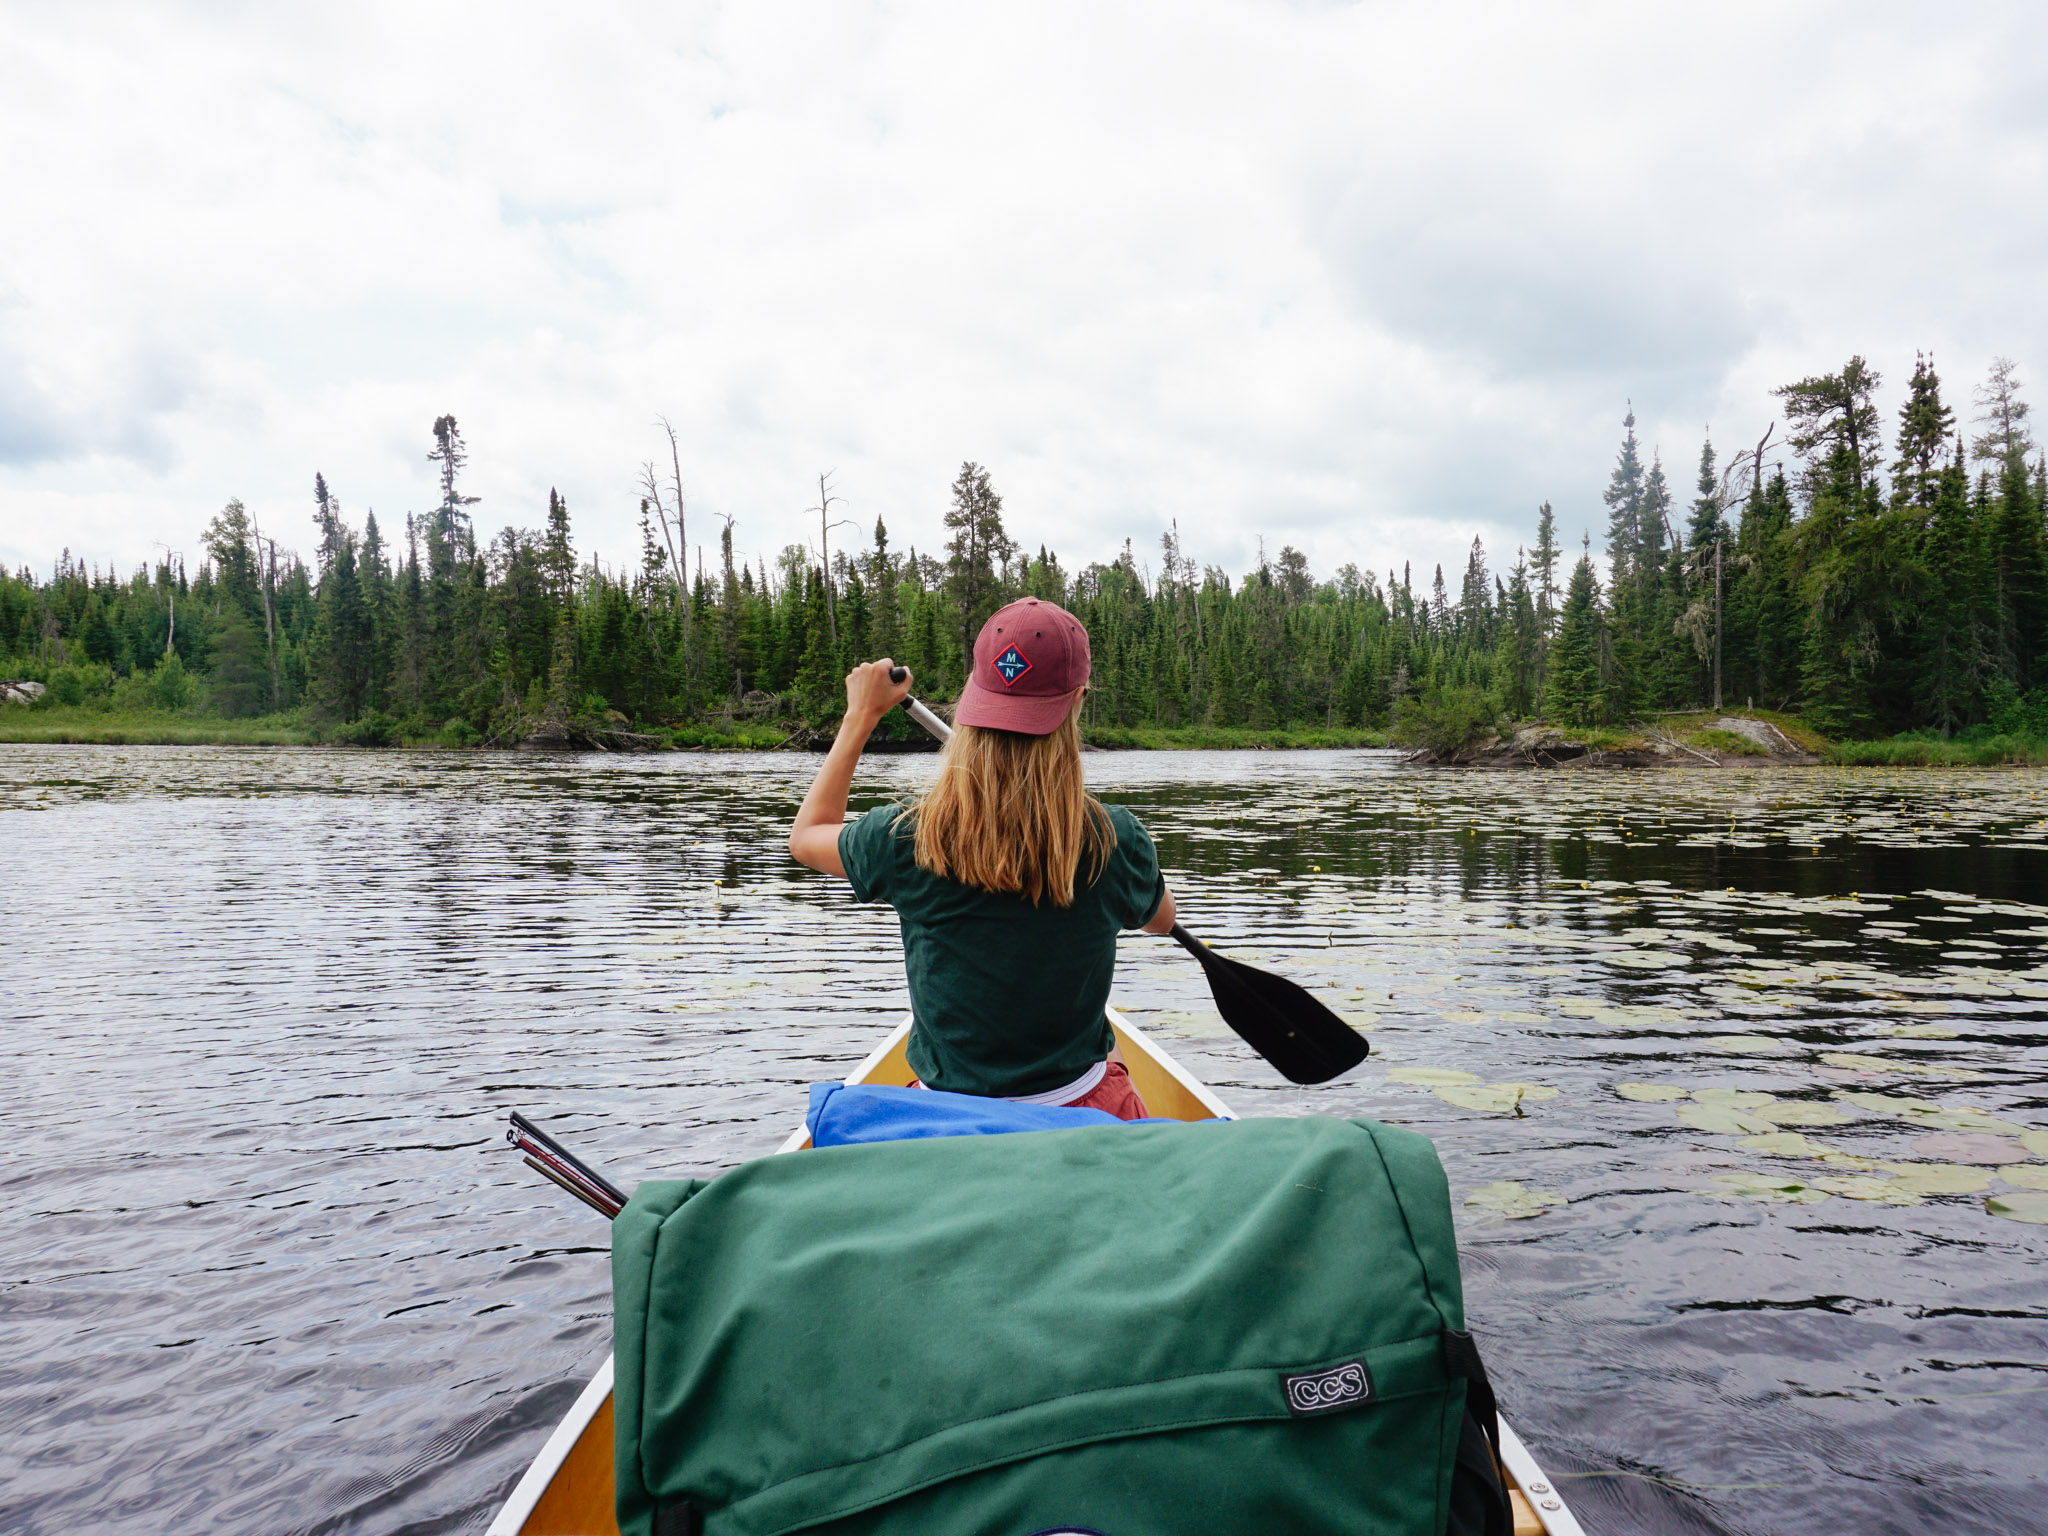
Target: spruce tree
(975, 555)
(1953, 659)
(1925, 426)
(1655, 514)
(1624, 498)
(884, 624)
(558, 554)
(2016, 558)
(1574, 694)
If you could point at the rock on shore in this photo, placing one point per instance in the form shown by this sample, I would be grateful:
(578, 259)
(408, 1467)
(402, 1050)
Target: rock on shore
(1541, 746)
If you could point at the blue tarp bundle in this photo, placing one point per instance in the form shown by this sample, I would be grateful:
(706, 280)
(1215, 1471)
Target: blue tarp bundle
(842, 1115)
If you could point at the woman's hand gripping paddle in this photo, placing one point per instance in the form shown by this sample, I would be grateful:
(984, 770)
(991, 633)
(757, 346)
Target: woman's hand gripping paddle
(1304, 1041)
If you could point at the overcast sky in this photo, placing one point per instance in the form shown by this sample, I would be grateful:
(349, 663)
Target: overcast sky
(1364, 279)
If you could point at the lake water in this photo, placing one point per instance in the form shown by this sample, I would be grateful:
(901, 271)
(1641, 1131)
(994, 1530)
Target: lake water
(1756, 1247)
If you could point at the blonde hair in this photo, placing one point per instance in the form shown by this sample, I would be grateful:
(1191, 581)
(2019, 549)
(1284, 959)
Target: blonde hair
(1009, 813)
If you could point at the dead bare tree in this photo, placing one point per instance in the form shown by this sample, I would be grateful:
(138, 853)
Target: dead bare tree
(825, 527)
(170, 582)
(268, 549)
(1743, 477)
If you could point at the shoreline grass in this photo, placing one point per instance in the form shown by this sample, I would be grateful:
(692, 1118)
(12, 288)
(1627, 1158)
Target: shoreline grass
(1935, 752)
(83, 726)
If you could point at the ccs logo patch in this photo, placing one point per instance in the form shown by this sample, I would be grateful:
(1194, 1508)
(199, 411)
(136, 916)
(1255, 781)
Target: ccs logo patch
(1012, 664)
(1341, 1386)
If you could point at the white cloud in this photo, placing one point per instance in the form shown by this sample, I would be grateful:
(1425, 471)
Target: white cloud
(1364, 279)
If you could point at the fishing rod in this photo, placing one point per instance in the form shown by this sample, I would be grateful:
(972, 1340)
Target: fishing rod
(556, 1162)
(1283, 1022)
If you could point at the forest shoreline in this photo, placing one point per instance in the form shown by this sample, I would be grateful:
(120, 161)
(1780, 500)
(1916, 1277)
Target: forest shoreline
(63, 726)
(1691, 740)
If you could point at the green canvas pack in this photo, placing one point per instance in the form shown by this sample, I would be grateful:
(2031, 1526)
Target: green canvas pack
(1248, 1326)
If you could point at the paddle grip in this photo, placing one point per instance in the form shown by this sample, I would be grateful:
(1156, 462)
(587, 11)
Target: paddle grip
(914, 708)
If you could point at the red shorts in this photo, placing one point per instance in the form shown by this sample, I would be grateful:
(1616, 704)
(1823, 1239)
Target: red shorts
(1115, 1094)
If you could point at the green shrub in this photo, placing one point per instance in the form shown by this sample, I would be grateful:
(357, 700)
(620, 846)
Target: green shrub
(71, 686)
(373, 730)
(2011, 713)
(458, 732)
(173, 684)
(1447, 720)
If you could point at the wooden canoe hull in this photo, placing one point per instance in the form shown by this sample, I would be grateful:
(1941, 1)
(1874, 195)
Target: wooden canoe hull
(567, 1491)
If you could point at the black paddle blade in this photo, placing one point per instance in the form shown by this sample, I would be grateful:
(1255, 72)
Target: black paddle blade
(1284, 1023)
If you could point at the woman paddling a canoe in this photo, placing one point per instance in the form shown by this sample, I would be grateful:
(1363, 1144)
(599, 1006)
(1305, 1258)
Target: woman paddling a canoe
(1010, 880)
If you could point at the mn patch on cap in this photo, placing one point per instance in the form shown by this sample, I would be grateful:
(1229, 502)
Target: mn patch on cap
(1030, 660)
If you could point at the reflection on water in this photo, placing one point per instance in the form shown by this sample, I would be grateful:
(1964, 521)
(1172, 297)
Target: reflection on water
(1738, 1077)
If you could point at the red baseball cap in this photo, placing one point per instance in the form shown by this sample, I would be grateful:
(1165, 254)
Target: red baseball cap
(1030, 659)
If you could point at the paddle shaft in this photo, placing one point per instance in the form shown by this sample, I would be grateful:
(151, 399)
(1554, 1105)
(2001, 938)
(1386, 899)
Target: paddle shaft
(1275, 1017)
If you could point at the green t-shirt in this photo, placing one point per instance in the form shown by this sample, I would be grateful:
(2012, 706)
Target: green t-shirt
(1008, 997)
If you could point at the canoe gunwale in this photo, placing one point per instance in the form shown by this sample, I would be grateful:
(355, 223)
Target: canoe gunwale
(528, 1491)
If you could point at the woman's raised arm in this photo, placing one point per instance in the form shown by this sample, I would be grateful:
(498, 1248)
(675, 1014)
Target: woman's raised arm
(814, 839)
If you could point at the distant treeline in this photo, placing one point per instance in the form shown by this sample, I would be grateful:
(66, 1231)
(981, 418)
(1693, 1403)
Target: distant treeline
(1875, 598)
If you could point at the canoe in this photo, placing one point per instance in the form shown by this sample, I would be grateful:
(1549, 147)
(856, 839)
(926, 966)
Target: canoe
(567, 1491)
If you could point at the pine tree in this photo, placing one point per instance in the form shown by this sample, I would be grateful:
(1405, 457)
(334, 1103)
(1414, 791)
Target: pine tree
(1624, 498)
(327, 518)
(2016, 551)
(1953, 661)
(1653, 519)
(558, 555)
(1543, 560)
(1834, 428)
(1575, 695)
(1925, 426)
(975, 554)
(884, 624)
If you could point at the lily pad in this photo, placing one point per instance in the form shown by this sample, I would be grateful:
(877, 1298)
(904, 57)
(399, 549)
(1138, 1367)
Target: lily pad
(1938, 1178)
(1733, 1098)
(2022, 1205)
(1857, 1063)
(2035, 1142)
(1918, 1031)
(1650, 1093)
(1767, 1188)
(1967, 1147)
(1647, 959)
(1513, 1201)
(1867, 1189)
(1941, 1117)
(1747, 1045)
(1802, 1112)
(1430, 1077)
(1784, 1144)
(2025, 1175)
(1493, 1098)
(1722, 1121)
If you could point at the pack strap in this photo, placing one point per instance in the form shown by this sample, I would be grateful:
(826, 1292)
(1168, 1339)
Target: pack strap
(679, 1518)
(1462, 1363)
